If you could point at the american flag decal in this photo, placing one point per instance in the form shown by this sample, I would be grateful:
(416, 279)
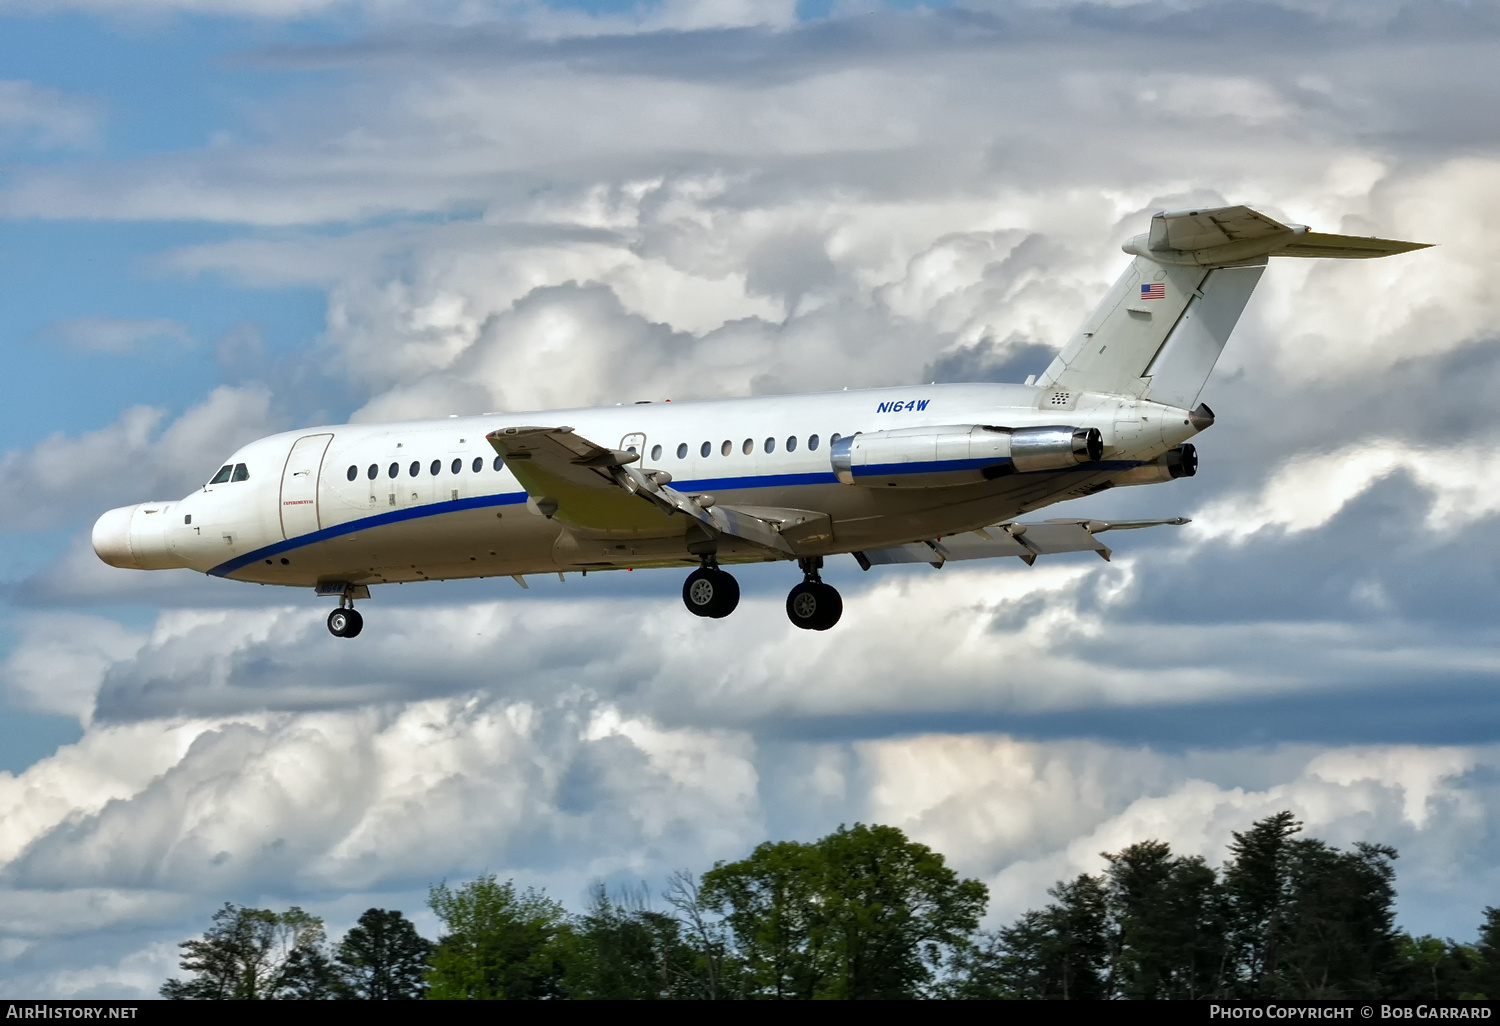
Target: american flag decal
(1156, 290)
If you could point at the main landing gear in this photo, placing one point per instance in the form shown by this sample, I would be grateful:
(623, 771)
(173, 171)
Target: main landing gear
(710, 592)
(813, 605)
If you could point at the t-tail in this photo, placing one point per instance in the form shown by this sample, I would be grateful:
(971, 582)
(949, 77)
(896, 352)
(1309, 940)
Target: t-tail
(1160, 329)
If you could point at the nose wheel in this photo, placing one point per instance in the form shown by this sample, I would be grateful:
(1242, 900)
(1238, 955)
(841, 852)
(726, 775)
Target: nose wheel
(813, 605)
(709, 591)
(345, 623)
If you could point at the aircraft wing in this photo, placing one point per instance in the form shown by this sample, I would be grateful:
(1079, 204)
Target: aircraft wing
(593, 487)
(1025, 541)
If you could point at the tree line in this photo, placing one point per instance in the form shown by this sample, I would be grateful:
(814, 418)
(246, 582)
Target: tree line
(867, 913)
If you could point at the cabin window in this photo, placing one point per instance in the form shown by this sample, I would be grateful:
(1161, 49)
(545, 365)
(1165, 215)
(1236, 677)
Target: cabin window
(724, 449)
(812, 442)
(478, 464)
(748, 447)
(414, 469)
(353, 472)
(436, 468)
(499, 463)
(707, 448)
(791, 443)
(372, 472)
(393, 470)
(770, 445)
(834, 437)
(655, 453)
(223, 474)
(458, 465)
(682, 451)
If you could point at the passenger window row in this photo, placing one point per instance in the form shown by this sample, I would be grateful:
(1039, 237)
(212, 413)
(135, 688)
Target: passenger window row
(746, 447)
(415, 469)
(456, 467)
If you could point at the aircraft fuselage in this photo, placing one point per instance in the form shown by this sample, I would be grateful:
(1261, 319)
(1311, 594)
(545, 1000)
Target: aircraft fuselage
(367, 504)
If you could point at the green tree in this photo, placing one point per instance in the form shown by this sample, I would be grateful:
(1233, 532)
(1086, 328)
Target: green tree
(253, 954)
(1073, 941)
(1427, 968)
(1167, 920)
(1338, 937)
(625, 950)
(1307, 919)
(861, 913)
(770, 903)
(1256, 882)
(1288, 917)
(383, 958)
(1484, 974)
(715, 974)
(498, 944)
(1061, 952)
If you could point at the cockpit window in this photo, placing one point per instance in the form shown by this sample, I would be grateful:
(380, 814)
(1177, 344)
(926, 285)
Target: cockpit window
(241, 472)
(223, 474)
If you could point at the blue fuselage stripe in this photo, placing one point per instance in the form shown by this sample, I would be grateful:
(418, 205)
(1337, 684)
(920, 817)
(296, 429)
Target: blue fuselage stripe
(394, 516)
(762, 481)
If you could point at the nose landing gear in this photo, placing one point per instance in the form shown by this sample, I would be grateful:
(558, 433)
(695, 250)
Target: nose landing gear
(709, 591)
(345, 622)
(813, 605)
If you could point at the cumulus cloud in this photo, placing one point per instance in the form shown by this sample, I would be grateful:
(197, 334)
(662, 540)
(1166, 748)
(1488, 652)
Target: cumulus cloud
(64, 477)
(1309, 490)
(61, 662)
(1024, 815)
(156, 822)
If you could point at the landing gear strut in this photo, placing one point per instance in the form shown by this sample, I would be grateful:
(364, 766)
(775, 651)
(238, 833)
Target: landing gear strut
(345, 622)
(813, 605)
(710, 592)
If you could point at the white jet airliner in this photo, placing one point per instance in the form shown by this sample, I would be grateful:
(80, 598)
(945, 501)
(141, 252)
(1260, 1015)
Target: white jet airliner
(895, 475)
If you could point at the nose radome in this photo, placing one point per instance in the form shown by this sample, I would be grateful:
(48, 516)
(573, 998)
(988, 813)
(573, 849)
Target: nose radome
(112, 538)
(135, 537)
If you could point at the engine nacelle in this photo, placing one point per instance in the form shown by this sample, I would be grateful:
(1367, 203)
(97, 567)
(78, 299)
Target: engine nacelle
(1169, 466)
(936, 457)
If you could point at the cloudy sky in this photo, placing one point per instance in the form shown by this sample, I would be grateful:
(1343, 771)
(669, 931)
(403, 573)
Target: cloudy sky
(223, 219)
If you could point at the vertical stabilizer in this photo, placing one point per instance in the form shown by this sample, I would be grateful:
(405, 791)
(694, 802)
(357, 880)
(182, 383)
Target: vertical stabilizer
(1179, 370)
(1122, 336)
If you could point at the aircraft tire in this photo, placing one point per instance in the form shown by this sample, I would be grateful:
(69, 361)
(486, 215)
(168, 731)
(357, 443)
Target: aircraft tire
(710, 592)
(345, 623)
(814, 606)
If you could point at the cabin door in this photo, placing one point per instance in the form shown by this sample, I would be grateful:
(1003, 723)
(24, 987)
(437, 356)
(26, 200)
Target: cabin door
(636, 443)
(299, 485)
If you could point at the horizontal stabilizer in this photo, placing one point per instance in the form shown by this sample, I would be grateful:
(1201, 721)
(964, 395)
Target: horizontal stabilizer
(1025, 541)
(1346, 247)
(1222, 236)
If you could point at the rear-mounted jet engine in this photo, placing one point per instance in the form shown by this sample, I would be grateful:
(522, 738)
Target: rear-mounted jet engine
(1169, 466)
(934, 457)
